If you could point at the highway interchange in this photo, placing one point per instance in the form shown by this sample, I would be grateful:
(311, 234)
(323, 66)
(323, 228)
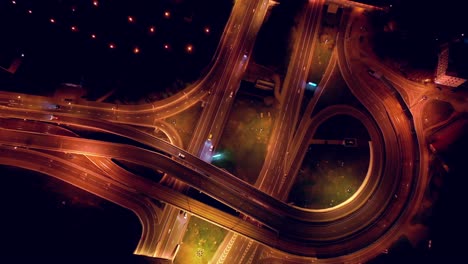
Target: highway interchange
(355, 231)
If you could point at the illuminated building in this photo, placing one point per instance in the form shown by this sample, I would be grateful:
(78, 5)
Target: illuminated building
(448, 72)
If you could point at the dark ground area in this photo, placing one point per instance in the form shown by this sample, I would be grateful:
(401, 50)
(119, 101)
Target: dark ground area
(55, 54)
(448, 229)
(52, 221)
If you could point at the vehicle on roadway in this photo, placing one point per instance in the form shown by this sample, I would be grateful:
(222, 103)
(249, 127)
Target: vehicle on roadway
(180, 155)
(374, 74)
(183, 213)
(350, 142)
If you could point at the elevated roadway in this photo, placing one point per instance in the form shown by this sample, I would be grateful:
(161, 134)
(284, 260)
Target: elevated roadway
(295, 229)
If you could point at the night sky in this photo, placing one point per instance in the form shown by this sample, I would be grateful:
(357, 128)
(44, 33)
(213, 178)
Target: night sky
(44, 217)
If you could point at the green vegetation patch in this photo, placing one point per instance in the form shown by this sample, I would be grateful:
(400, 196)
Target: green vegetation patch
(245, 138)
(185, 121)
(323, 50)
(321, 58)
(336, 92)
(200, 242)
(329, 175)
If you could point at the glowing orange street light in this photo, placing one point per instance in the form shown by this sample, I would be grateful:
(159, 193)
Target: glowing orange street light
(166, 46)
(95, 3)
(52, 20)
(207, 30)
(93, 36)
(167, 14)
(152, 29)
(136, 50)
(189, 48)
(130, 19)
(74, 29)
(29, 11)
(111, 45)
